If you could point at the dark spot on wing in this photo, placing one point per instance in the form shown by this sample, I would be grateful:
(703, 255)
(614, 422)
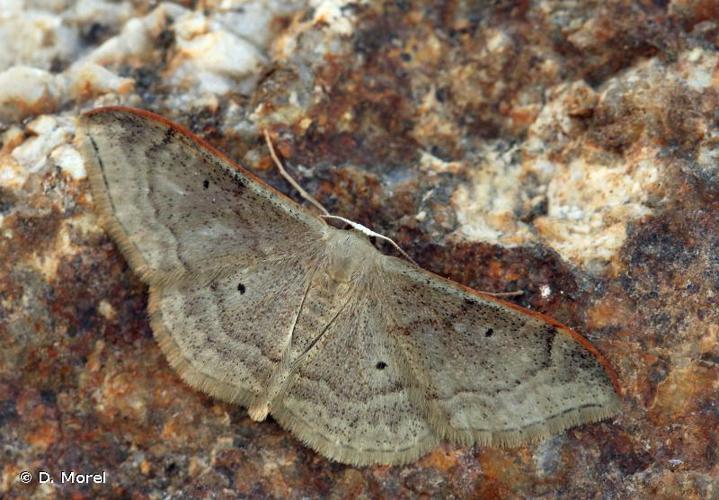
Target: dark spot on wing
(241, 288)
(205, 184)
(551, 334)
(489, 332)
(169, 134)
(381, 365)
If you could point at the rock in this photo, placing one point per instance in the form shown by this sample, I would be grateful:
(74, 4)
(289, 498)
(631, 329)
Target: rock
(564, 149)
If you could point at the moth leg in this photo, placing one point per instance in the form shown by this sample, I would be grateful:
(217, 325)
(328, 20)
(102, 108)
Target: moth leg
(292, 358)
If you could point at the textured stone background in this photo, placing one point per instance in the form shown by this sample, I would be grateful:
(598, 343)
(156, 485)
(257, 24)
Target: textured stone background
(569, 149)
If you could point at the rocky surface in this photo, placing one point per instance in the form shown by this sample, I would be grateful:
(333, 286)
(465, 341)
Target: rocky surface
(566, 149)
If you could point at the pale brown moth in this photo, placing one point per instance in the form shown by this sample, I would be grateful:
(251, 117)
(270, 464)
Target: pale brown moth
(365, 357)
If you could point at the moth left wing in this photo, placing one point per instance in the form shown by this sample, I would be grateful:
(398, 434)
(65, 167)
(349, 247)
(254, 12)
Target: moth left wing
(491, 373)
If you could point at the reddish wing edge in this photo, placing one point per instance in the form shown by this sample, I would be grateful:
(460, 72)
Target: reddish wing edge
(577, 337)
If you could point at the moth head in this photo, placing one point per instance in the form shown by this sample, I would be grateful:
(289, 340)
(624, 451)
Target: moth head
(364, 233)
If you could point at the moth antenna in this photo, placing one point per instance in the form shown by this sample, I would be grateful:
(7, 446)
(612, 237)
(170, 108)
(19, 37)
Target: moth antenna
(367, 231)
(515, 293)
(307, 196)
(325, 212)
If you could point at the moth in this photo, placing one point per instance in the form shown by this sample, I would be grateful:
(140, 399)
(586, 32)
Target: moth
(365, 357)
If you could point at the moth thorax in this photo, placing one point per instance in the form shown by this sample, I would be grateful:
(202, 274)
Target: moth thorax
(349, 254)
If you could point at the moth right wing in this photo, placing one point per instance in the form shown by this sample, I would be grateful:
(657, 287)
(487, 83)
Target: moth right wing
(178, 207)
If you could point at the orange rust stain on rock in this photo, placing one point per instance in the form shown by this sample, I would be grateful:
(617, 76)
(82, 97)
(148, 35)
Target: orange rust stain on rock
(492, 489)
(499, 271)
(683, 391)
(502, 469)
(523, 116)
(43, 435)
(122, 396)
(609, 312)
(441, 459)
(172, 429)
